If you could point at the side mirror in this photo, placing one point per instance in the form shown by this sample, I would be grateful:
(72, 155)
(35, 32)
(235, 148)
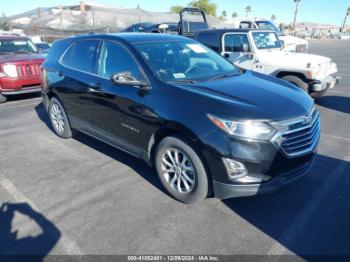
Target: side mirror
(245, 48)
(251, 56)
(125, 79)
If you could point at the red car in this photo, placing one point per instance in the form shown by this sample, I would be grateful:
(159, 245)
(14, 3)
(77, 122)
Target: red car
(20, 63)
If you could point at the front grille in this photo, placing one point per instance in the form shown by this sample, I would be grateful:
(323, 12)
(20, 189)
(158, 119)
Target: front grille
(25, 69)
(301, 135)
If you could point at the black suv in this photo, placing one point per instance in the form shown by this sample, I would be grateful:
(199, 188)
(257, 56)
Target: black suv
(208, 128)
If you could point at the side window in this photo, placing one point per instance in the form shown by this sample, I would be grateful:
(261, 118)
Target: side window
(81, 55)
(245, 25)
(116, 59)
(210, 40)
(235, 42)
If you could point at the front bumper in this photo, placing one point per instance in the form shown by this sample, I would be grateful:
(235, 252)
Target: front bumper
(32, 89)
(324, 84)
(225, 190)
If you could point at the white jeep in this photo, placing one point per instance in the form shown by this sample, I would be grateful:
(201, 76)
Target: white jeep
(290, 43)
(261, 51)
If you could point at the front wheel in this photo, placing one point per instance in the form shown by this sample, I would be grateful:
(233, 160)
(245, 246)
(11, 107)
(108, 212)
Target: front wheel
(297, 81)
(59, 119)
(181, 170)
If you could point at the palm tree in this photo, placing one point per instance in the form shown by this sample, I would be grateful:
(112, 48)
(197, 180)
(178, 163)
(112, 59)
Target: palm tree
(297, 2)
(346, 16)
(248, 9)
(223, 15)
(273, 18)
(234, 16)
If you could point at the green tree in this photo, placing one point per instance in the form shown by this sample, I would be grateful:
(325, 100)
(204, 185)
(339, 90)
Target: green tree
(297, 4)
(205, 5)
(248, 10)
(176, 9)
(234, 15)
(273, 18)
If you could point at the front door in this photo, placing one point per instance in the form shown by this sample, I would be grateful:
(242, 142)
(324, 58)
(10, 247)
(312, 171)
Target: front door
(233, 50)
(119, 108)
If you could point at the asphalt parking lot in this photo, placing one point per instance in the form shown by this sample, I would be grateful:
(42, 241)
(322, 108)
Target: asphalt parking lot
(81, 196)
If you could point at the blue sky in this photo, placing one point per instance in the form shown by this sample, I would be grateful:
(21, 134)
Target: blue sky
(320, 11)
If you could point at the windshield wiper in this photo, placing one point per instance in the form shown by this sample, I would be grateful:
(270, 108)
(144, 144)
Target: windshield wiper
(221, 76)
(183, 81)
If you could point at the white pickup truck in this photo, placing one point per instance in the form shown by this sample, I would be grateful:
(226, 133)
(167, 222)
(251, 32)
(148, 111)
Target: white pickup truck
(262, 51)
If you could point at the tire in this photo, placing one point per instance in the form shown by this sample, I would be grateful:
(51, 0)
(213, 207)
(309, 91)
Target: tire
(297, 81)
(59, 119)
(187, 167)
(316, 95)
(3, 99)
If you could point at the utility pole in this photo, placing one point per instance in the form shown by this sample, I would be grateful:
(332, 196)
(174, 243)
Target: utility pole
(297, 2)
(61, 16)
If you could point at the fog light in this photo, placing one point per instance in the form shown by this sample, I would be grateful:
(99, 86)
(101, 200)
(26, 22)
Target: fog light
(234, 169)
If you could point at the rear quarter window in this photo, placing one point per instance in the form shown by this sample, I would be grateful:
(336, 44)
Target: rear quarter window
(81, 55)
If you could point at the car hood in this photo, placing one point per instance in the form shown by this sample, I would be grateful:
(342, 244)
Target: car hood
(292, 40)
(285, 59)
(13, 58)
(251, 96)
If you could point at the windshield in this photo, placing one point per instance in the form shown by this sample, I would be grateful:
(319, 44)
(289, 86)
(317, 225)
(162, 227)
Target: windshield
(267, 25)
(182, 61)
(17, 46)
(192, 21)
(266, 40)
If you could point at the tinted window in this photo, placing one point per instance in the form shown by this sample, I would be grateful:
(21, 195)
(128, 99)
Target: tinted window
(116, 59)
(184, 60)
(81, 55)
(16, 46)
(211, 40)
(235, 42)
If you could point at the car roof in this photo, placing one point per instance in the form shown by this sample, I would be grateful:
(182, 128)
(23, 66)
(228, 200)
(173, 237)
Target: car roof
(134, 37)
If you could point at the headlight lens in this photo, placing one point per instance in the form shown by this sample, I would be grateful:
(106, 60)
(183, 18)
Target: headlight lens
(244, 129)
(10, 70)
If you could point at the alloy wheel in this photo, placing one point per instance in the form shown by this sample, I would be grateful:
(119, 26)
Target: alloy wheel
(178, 170)
(57, 118)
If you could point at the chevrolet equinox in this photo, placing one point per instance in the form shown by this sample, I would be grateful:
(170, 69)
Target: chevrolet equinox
(208, 128)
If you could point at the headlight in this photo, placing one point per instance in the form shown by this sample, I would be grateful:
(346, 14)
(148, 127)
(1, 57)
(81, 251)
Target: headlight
(244, 129)
(10, 70)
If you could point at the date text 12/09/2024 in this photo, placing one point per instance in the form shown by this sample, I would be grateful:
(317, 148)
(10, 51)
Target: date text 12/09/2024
(173, 258)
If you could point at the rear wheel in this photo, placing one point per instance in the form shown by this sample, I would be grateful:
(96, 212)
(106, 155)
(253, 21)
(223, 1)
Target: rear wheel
(59, 119)
(3, 99)
(181, 170)
(297, 81)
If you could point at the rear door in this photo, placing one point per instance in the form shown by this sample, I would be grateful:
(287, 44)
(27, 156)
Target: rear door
(77, 78)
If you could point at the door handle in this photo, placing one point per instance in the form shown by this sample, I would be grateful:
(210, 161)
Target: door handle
(60, 73)
(94, 87)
